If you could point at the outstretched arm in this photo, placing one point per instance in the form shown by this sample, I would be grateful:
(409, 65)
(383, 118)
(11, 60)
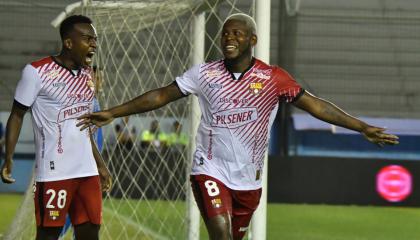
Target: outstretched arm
(328, 112)
(146, 102)
(14, 125)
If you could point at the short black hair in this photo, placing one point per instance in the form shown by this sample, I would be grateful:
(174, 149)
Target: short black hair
(67, 24)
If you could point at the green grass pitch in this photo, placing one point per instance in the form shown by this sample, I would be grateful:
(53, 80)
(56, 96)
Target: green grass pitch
(285, 221)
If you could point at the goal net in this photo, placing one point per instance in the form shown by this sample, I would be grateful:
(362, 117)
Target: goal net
(143, 45)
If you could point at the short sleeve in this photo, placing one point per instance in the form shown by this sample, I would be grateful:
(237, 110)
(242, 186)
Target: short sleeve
(188, 82)
(28, 87)
(289, 89)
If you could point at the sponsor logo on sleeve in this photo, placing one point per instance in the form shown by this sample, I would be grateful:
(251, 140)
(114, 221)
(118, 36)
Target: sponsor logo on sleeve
(234, 118)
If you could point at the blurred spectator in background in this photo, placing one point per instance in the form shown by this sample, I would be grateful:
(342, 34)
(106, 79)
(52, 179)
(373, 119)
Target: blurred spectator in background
(126, 136)
(1, 139)
(177, 138)
(154, 136)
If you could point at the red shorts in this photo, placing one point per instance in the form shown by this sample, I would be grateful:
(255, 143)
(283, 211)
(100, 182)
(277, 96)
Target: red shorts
(214, 198)
(81, 198)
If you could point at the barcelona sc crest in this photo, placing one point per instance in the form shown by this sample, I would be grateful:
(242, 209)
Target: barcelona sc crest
(256, 87)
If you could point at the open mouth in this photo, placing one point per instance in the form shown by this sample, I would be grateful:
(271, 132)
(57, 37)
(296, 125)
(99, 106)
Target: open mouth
(89, 57)
(230, 48)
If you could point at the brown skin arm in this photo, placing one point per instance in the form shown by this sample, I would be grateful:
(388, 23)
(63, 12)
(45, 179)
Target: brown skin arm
(148, 101)
(328, 112)
(14, 125)
(104, 174)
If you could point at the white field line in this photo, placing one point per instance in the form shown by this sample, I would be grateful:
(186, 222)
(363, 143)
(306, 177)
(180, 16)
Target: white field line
(143, 228)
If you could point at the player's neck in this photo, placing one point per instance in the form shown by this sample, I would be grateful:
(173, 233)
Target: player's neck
(65, 59)
(238, 65)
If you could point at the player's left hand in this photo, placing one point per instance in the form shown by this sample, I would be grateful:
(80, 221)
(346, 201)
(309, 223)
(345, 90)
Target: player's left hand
(6, 172)
(106, 179)
(378, 136)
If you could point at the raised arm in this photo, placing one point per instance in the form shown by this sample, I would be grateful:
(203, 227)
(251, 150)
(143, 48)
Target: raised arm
(14, 125)
(328, 112)
(148, 101)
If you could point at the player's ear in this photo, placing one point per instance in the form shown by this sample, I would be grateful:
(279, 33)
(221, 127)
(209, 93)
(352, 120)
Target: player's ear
(254, 40)
(68, 44)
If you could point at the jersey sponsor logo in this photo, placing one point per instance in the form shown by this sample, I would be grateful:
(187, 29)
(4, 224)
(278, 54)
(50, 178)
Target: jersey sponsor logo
(73, 111)
(215, 85)
(43, 142)
(233, 100)
(59, 84)
(234, 118)
(214, 72)
(52, 167)
(79, 96)
(52, 73)
(60, 140)
(256, 87)
(85, 73)
(263, 74)
(210, 149)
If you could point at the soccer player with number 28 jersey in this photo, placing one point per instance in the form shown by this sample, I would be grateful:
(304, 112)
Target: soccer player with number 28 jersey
(57, 90)
(238, 98)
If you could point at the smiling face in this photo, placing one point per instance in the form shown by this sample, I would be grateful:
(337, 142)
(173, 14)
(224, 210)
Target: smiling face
(237, 40)
(81, 44)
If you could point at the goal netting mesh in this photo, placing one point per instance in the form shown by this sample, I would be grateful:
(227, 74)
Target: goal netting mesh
(143, 45)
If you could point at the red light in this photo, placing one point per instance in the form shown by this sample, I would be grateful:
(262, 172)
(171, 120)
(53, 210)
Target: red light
(394, 183)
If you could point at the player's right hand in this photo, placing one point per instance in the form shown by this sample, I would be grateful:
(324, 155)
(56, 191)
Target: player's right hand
(6, 172)
(98, 118)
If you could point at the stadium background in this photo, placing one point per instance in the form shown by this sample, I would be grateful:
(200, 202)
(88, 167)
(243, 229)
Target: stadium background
(361, 55)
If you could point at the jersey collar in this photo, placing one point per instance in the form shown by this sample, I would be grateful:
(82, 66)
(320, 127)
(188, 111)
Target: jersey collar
(68, 69)
(243, 73)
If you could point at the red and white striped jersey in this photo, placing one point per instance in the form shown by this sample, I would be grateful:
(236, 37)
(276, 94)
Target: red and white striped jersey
(232, 137)
(57, 96)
